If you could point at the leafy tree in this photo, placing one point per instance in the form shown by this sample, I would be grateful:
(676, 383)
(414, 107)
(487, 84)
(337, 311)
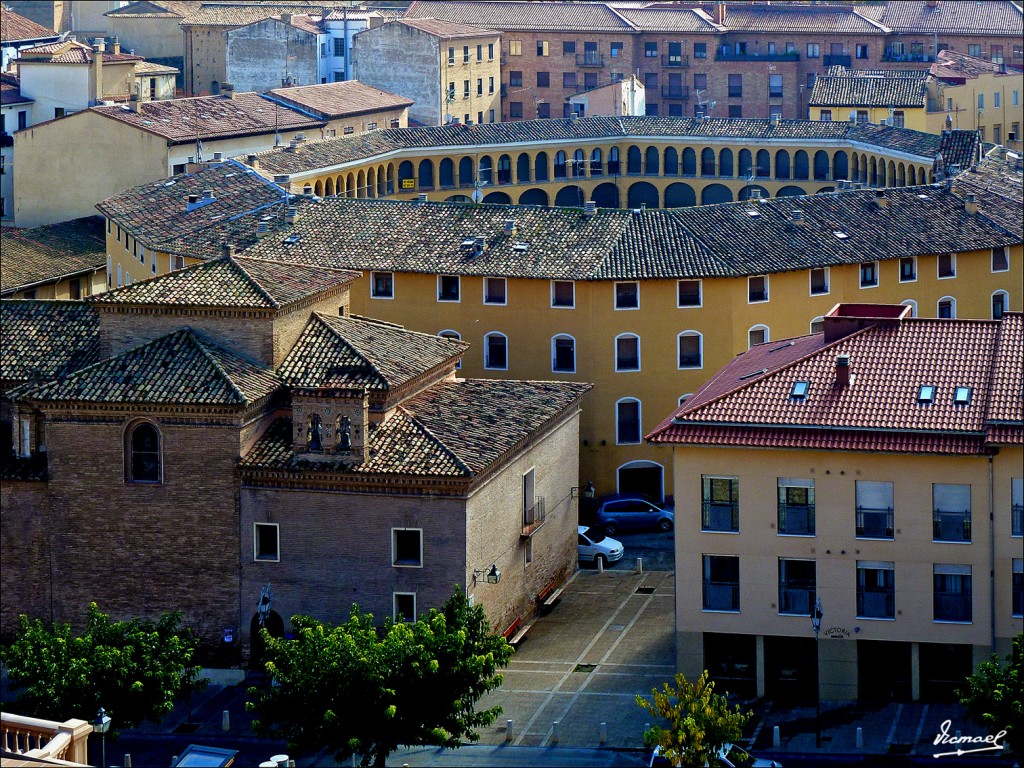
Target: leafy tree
(352, 689)
(133, 669)
(994, 696)
(700, 721)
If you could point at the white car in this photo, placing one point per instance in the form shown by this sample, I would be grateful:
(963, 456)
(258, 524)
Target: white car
(595, 547)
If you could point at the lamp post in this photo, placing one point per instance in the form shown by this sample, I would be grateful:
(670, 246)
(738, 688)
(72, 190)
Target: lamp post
(816, 618)
(101, 725)
(587, 491)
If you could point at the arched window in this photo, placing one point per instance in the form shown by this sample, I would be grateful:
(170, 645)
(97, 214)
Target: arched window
(633, 159)
(446, 173)
(671, 162)
(946, 307)
(746, 163)
(448, 333)
(764, 163)
(496, 351)
(563, 354)
(579, 164)
(684, 398)
(758, 334)
(314, 433)
(466, 172)
(595, 162)
(725, 162)
(540, 167)
(144, 464)
(782, 164)
(523, 168)
(485, 170)
(426, 174)
(707, 162)
(652, 161)
(801, 165)
(628, 429)
(504, 169)
(691, 350)
(689, 162)
(1000, 304)
(613, 161)
(912, 304)
(627, 352)
(560, 170)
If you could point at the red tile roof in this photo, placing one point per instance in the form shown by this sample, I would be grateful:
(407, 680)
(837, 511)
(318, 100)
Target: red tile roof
(15, 27)
(332, 100)
(749, 401)
(10, 91)
(71, 52)
(445, 29)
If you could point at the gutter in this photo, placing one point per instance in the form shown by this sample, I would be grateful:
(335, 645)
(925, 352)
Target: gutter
(49, 280)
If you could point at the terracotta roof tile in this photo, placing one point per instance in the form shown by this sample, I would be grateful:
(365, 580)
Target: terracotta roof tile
(14, 27)
(182, 368)
(670, 19)
(962, 17)
(43, 339)
(798, 17)
(48, 253)
(445, 29)
(513, 15)
(1000, 186)
(241, 14)
(359, 353)
(156, 9)
(955, 65)
(333, 100)
(71, 52)
(1006, 389)
(10, 91)
(852, 88)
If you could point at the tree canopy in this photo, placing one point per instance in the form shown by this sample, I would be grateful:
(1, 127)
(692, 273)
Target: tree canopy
(700, 721)
(357, 690)
(994, 696)
(133, 669)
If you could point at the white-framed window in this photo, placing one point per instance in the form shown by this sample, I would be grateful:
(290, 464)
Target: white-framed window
(407, 547)
(628, 421)
(448, 333)
(819, 281)
(757, 289)
(627, 352)
(869, 274)
(945, 265)
(382, 285)
(266, 542)
(1000, 304)
(684, 398)
(120, 276)
(563, 294)
(627, 295)
(690, 345)
(448, 288)
(1000, 259)
(817, 325)
(946, 307)
(689, 293)
(908, 269)
(496, 351)
(912, 304)
(495, 291)
(563, 353)
(403, 606)
(758, 334)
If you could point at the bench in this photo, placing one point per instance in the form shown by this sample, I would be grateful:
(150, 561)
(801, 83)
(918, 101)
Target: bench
(548, 596)
(516, 631)
(511, 630)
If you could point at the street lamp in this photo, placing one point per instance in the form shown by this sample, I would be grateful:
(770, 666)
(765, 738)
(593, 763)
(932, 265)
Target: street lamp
(491, 575)
(101, 725)
(586, 491)
(816, 618)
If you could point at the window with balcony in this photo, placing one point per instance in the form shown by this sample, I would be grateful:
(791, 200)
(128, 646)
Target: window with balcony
(1017, 506)
(757, 288)
(720, 504)
(721, 583)
(819, 281)
(951, 516)
(689, 293)
(952, 593)
(876, 590)
(627, 421)
(796, 505)
(797, 586)
(875, 515)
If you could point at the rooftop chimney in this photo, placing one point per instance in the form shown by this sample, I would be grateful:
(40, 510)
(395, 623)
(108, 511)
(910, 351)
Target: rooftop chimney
(971, 204)
(115, 45)
(933, 4)
(227, 249)
(207, 194)
(590, 209)
(478, 246)
(96, 70)
(262, 228)
(797, 217)
(422, 197)
(218, 157)
(291, 215)
(227, 89)
(135, 103)
(510, 226)
(720, 12)
(880, 199)
(842, 371)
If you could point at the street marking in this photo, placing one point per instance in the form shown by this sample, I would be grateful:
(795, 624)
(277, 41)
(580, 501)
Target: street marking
(920, 728)
(892, 730)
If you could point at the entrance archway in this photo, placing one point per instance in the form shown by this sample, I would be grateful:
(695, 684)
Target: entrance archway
(643, 477)
(257, 648)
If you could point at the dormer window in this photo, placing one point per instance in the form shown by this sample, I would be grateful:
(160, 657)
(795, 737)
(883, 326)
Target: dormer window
(962, 396)
(926, 394)
(799, 391)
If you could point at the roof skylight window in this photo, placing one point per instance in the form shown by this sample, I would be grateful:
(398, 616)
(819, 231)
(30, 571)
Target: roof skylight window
(926, 394)
(962, 396)
(840, 234)
(799, 391)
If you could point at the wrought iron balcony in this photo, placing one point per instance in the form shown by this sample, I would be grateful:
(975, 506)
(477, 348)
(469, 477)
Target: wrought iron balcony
(951, 526)
(590, 59)
(534, 518)
(874, 523)
(891, 55)
(727, 54)
(721, 596)
(832, 59)
(796, 519)
(952, 606)
(720, 516)
(668, 60)
(876, 605)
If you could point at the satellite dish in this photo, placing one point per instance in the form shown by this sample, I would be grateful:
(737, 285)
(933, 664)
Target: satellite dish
(477, 196)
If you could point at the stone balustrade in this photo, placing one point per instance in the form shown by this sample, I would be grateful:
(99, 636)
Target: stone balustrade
(66, 742)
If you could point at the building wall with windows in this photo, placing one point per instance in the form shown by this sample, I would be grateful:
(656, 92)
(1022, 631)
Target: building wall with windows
(989, 103)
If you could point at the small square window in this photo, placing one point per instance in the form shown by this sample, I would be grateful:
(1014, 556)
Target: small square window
(869, 274)
(947, 265)
(689, 293)
(757, 288)
(819, 281)
(447, 287)
(926, 394)
(266, 542)
(627, 295)
(404, 606)
(563, 294)
(908, 269)
(407, 547)
(495, 290)
(962, 396)
(382, 285)
(1000, 259)
(799, 391)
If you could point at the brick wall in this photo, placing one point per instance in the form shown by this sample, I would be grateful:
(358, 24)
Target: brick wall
(24, 577)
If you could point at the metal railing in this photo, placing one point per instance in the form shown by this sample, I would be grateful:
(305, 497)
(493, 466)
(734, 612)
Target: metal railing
(1017, 520)
(875, 523)
(951, 526)
(668, 60)
(720, 516)
(796, 600)
(534, 517)
(876, 605)
(725, 54)
(796, 519)
(831, 59)
(590, 59)
(891, 55)
(721, 596)
(952, 606)
(676, 92)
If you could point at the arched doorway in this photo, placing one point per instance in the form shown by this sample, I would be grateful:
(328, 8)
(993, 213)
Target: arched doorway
(643, 477)
(499, 198)
(715, 193)
(643, 193)
(274, 625)
(606, 195)
(791, 190)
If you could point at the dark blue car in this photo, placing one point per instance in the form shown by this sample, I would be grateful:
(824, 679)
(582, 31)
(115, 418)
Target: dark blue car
(632, 512)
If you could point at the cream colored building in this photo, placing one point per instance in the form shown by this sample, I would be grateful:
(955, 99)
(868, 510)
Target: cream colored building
(623, 97)
(871, 472)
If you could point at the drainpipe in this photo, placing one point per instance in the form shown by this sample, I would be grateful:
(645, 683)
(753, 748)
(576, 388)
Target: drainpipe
(992, 552)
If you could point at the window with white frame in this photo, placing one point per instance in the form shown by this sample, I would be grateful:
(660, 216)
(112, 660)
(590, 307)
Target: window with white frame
(407, 547)
(757, 288)
(563, 294)
(450, 334)
(875, 515)
(447, 287)
(404, 606)
(946, 307)
(691, 350)
(495, 291)
(912, 304)
(627, 295)
(1000, 304)
(689, 293)
(382, 285)
(627, 352)
(869, 274)
(758, 334)
(817, 325)
(627, 421)
(946, 265)
(496, 351)
(908, 269)
(819, 281)
(266, 542)
(563, 354)
(1000, 259)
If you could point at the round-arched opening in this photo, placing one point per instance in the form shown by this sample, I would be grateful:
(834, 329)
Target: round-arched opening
(715, 193)
(680, 195)
(534, 197)
(642, 193)
(606, 195)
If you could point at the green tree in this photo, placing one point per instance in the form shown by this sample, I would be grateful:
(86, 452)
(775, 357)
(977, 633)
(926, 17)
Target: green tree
(700, 721)
(354, 689)
(994, 696)
(133, 669)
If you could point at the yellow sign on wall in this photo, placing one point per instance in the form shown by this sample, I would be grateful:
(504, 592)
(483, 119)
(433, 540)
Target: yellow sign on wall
(408, 183)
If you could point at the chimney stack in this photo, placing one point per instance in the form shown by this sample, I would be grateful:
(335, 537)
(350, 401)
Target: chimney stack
(422, 197)
(797, 217)
(262, 227)
(227, 89)
(842, 371)
(510, 227)
(227, 249)
(720, 12)
(971, 204)
(135, 103)
(880, 199)
(96, 70)
(115, 45)
(291, 215)
(590, 209)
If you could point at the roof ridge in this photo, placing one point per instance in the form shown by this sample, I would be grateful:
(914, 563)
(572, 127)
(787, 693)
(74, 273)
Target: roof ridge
(437, 441)
(255, 283)
(337, 335)
(201, 344)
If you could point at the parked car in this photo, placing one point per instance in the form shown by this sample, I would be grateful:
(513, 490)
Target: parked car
(593, 545)
(624, 512)
(730, 756)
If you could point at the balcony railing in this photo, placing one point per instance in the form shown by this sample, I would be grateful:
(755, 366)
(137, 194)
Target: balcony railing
(727, 54)
(668, 60)
(951, 526)
(534, 518)
(952, 606)
(45, 739)
(874, 523)
(831, 59)
(796, 519)
(796, 600)
(676, 92)
(876, 605)
(720, 516)
(1017, 520)
(719, 596)
(891, 55)
(590, 59)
